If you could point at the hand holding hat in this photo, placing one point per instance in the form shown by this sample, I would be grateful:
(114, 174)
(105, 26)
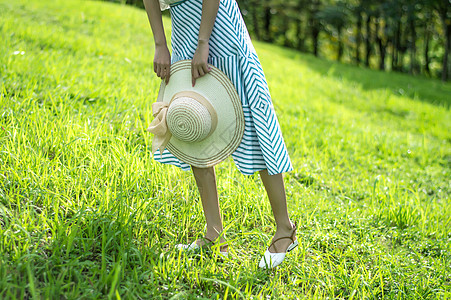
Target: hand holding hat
(162, 62)
(199, 66)
(199, 125)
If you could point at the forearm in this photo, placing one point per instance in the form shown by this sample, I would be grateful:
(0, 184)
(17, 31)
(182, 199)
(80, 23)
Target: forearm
(155, 20)
(209, 12)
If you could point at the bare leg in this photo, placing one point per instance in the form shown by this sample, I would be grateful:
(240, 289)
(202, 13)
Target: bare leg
(276, 193)
(206, 183)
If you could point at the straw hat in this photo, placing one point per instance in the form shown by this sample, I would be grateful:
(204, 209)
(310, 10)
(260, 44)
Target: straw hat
(199, 125)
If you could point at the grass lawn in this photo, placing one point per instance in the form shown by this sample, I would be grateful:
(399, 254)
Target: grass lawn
(85, 213)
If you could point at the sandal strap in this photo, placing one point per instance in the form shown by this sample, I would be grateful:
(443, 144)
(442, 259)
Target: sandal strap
(212, 242)
(285, 237)
(205, 238)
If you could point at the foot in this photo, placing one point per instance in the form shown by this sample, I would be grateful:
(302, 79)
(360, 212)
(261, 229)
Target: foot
(283, 238)
(211, 238)
(209, 241)
(283, 241)
(205, 243)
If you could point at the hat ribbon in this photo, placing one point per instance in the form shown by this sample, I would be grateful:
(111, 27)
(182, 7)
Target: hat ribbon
(159, 127)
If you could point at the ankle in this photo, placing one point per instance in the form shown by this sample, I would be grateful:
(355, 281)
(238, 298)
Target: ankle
(285, 227)
(214, 232)
(212, 240)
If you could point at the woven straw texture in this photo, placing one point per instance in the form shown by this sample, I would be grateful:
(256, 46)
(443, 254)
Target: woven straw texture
(209, 148)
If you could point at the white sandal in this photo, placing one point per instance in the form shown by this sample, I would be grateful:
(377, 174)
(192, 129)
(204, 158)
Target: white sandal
(272, 260)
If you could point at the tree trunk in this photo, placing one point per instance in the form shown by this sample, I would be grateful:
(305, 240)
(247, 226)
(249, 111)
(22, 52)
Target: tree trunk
(368, 40)
(382, 49)
(381, 44)
(395, 45)
(447, 46)
(427, 60)
(267, 24)
(298, 34)
(393, 53)
(358, 38)
(315, 34)
(314, 25)
(255, 21)
(402, 49)
(412, 45)
(340, 45)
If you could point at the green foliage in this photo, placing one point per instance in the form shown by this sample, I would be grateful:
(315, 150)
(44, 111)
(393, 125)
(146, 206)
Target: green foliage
(413, 32)
(335, 15)
(86, 213)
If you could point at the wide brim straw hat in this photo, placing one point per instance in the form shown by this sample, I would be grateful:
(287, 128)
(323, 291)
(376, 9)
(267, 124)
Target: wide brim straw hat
(200, 125)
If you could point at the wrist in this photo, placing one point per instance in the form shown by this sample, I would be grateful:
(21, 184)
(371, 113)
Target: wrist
(161, 45)
(202, 41)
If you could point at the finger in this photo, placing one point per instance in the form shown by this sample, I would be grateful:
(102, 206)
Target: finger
(206, 69)
(193, 81)
(167, 78)
(159, 70)
(163, 72)
(168, 73)
(154, 67)
(201, 72)
(195, 76)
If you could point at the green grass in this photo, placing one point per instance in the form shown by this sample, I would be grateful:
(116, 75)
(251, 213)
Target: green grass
(86, 213)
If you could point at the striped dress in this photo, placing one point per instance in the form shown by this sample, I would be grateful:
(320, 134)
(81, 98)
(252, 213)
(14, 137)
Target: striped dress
(231, 51)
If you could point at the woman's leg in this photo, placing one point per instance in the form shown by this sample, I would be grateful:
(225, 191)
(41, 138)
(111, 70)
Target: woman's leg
(206, 183)
(276, 193)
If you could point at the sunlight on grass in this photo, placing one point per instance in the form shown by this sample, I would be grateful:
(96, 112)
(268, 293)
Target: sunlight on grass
(86, 213)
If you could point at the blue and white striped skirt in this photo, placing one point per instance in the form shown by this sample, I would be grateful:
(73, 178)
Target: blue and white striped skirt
(231, 51)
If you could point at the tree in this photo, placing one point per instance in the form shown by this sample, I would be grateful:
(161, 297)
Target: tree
(356, 11)
(314, 24)
(443, 8)
(334, 18)
(412, 7)
(251, 8)
(298, 10)
(267, 17)
(385, 29)
(368, 7)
